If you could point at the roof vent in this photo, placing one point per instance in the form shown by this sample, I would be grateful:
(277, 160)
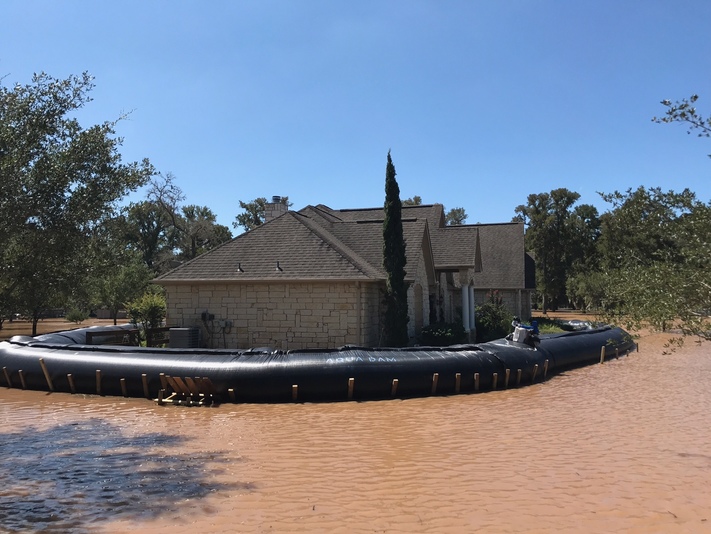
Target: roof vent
(276, 199)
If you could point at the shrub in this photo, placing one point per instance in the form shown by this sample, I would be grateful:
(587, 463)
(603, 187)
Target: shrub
(76, 316)
(493, 320)
(148, 310)
(443, 334)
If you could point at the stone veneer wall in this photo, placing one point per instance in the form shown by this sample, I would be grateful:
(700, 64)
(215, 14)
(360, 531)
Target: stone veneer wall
(283, 316)
(424, 284)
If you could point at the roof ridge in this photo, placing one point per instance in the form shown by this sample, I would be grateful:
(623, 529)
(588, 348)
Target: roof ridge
(336, 244)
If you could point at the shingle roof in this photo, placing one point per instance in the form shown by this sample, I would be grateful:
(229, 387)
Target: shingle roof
(301, 253)
(494, 251)
(503, 256)
(318, 243)
(310, 244)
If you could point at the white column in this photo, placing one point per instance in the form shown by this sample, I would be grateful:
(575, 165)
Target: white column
(465, 307)
(472, 308)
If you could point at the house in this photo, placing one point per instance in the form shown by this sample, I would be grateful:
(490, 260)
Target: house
(314, 278)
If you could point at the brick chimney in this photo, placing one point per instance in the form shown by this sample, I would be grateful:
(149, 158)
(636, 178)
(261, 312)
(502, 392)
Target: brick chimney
(274, 209)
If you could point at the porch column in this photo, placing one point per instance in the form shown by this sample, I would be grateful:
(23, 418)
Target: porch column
(520, 307)
(465, 307)
(472, 309)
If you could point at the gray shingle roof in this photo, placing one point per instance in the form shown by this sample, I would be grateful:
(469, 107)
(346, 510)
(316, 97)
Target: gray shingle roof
(309, 245)
(494, 251)
(302, 254)
(318, 243)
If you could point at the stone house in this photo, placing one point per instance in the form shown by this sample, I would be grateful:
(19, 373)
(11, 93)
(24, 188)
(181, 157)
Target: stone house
(314, 278)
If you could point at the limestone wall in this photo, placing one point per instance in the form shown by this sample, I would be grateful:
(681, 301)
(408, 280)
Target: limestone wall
(278, 315)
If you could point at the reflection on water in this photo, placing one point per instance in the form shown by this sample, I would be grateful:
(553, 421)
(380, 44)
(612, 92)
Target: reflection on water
(620, 447)
(68, 476)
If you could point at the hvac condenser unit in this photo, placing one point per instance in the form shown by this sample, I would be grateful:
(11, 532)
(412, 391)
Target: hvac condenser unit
(184, 338)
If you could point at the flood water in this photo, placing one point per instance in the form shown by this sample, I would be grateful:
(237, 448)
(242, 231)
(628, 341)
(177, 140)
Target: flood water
(619, 447)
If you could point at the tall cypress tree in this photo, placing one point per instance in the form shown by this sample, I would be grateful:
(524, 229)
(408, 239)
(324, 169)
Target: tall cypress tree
(394, 261)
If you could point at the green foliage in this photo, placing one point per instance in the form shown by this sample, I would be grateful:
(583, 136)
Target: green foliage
(76, 316)
(561, 238)
(686, 113)
(661, 273)
(455, 217)
(586, 290)
(58, 183)
(394, 261)
(122, 283)
(493, 319)
(254, 213)
(443, 334)
(148, 310)
(414, 201)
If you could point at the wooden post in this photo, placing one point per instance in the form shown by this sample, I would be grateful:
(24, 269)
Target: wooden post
(457, 382)
(46, 374)
(535, 372)
(160, 396)
(294, 392)
(545, 369)
(637, 345)
(519, 374)
(70, 379)
(144, 379)
(351, 384)
(98, 381)
(393, 389)
(495, 381)
(7, 377)
(163, 381)
(602, 354)
(22, 379)
(476, 381)
(506, 378)
(435, 379)
(617, 352)
(123, 387)
(231, 393)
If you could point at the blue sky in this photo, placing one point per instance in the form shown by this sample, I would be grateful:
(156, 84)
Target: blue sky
(480, 102)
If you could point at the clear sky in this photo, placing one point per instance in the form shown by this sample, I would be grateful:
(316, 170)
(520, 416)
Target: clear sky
(480, 102)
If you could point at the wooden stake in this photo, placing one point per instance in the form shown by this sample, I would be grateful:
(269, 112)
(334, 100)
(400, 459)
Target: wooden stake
(160, 396)
(98, 381)
(144, 379)
(294, 392)
(351, 383)
(231, 393)
(457, 382)
(393, 389)
(617, 352)
(123, 387)
(535, 372)
(602, 354)
(519, 374)
(70, 379)
(46, 374)
(494, 380)
(22, 379)
(506, 378)
(545, 369)
(476, 381)
(7, 377)
(163, 381)
(435, 379)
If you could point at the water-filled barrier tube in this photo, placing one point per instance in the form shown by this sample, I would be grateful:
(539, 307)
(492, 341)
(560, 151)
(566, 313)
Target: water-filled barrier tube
(64, 362)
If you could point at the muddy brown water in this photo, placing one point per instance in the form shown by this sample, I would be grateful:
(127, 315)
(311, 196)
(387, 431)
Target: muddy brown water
(619, 447)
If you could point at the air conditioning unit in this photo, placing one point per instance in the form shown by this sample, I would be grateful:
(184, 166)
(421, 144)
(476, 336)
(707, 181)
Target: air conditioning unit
(184, 338)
